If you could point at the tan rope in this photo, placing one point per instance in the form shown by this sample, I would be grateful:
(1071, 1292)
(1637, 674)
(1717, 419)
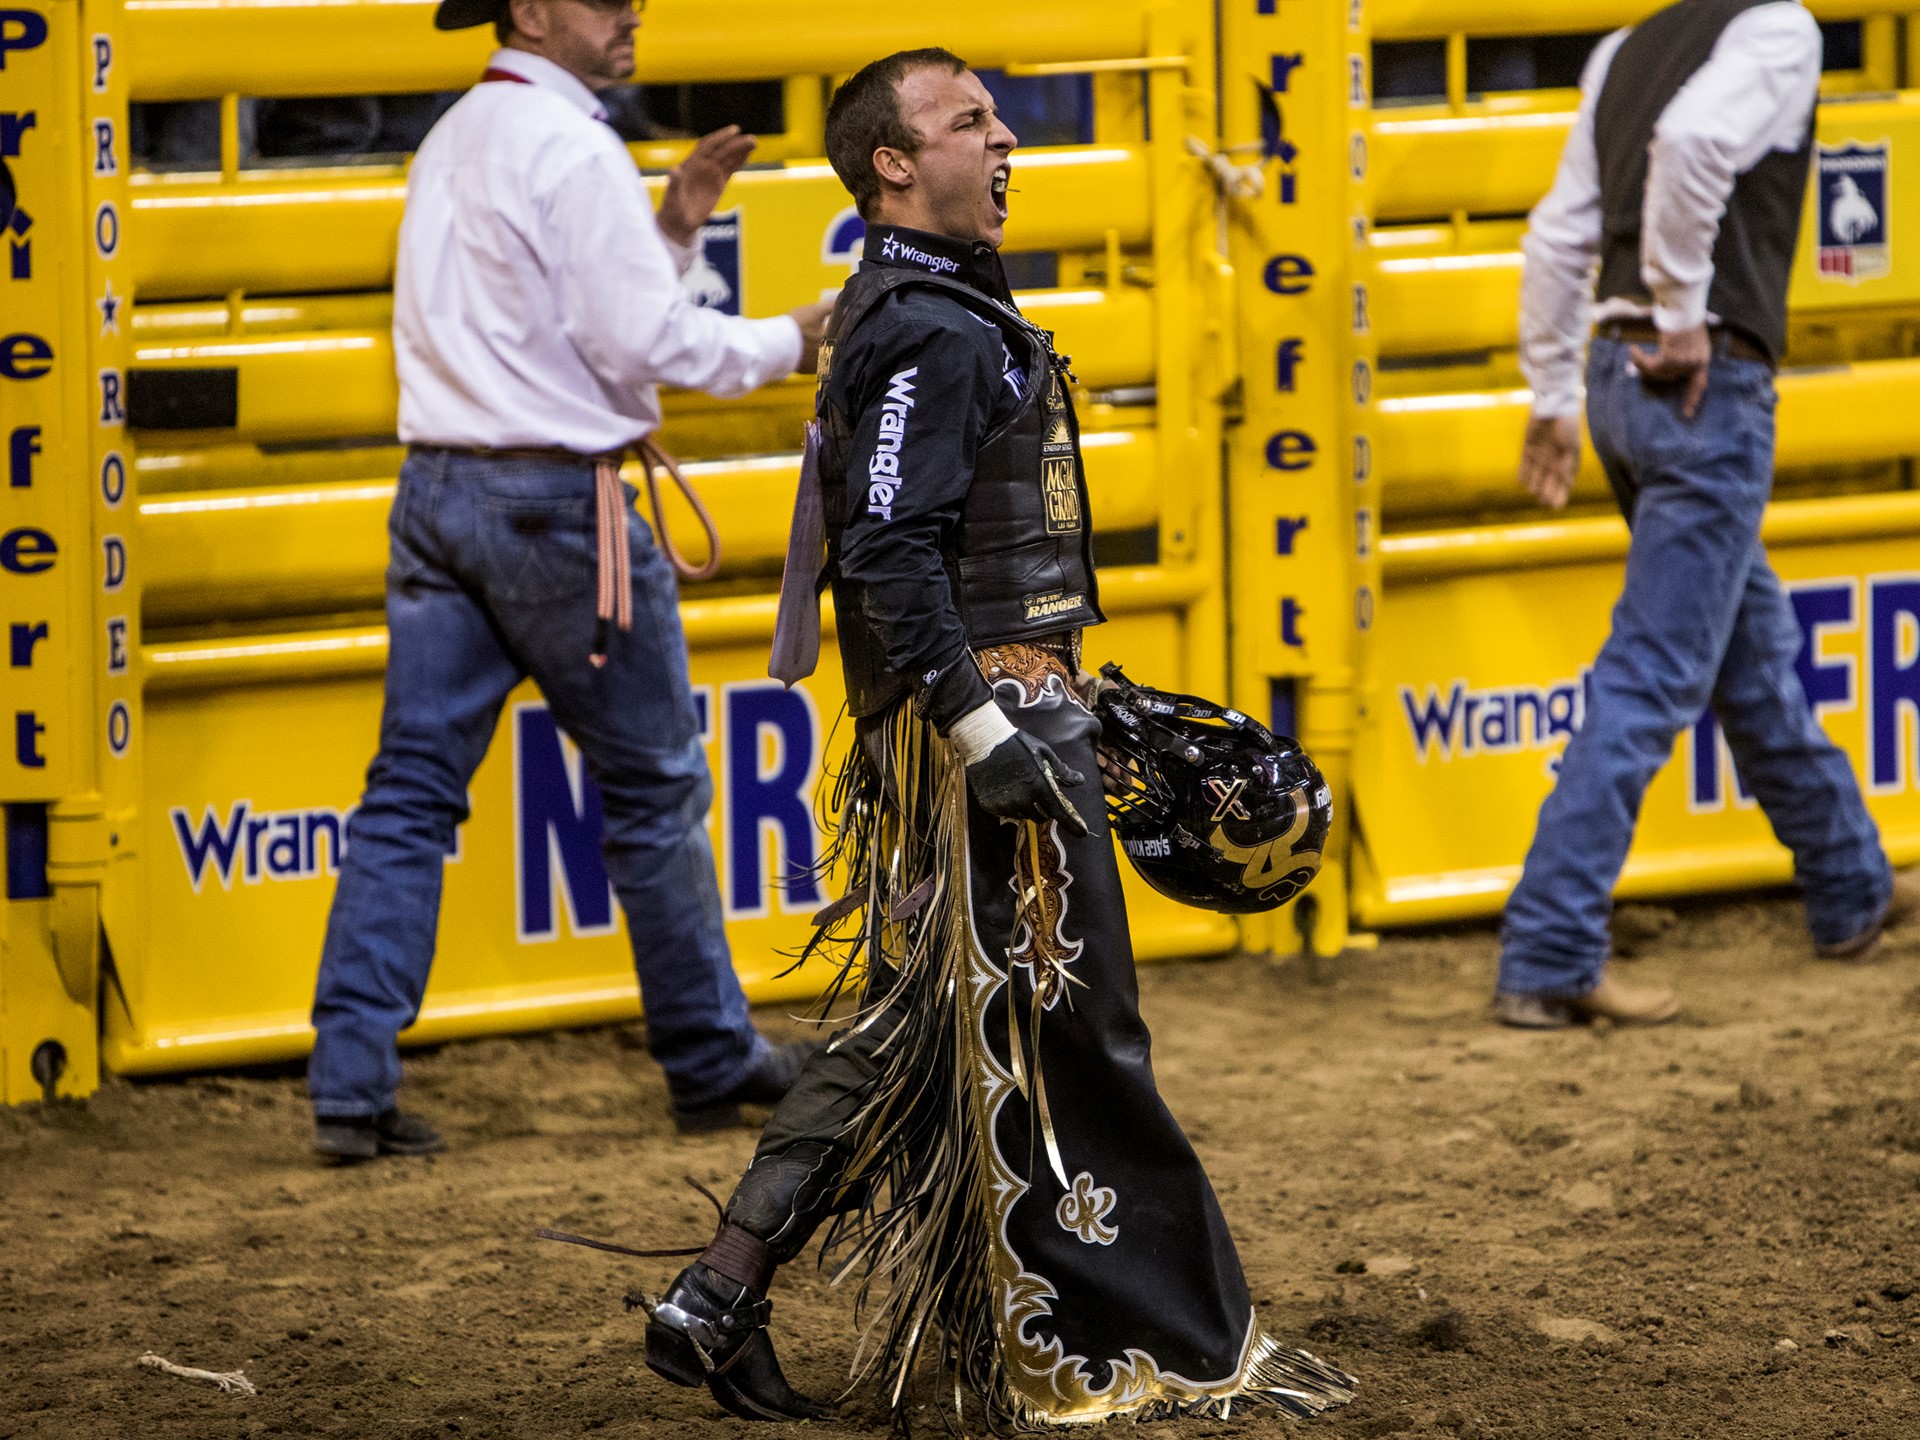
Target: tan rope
(651, 455)
(615, 601)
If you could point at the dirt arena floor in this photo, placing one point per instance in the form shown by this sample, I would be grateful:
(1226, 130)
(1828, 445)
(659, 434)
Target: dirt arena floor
(1711, 1230)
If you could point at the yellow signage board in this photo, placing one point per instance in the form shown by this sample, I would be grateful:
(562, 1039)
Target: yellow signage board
(1484, 676)
(249, 790)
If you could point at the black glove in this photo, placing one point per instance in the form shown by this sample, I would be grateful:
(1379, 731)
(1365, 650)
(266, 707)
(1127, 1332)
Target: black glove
(1022, 779)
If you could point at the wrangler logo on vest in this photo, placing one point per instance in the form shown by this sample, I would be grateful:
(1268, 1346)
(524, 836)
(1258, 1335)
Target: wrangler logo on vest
(1063, 496)
(883, 470)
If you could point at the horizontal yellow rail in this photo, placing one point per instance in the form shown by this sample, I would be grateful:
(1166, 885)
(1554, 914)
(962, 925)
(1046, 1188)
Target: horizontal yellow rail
(192, 665)
(236, 466)
(1461, 452)
(325, 384)
(1410, 559)
(1432, 19)
(1499, 157)
(198, 49)
(335, 229)
(536, 1006)
(1430, 166)
(308, 549)
(1446, 304)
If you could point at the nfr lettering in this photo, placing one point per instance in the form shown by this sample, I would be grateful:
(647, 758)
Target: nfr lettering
(558, 821)
(1821, 608)
(1893, 664)
(771, 740)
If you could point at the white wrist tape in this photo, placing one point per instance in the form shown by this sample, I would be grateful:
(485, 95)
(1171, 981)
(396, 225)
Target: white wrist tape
(976, 733)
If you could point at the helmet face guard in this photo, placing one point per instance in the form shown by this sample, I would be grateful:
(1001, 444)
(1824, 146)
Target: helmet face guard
(1217, 811)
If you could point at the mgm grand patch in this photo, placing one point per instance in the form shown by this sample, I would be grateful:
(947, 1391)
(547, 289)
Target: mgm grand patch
(1052, 604)
(1063, 495)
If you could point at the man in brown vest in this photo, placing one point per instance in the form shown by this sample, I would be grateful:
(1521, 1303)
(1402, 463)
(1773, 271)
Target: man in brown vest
(1683, 179)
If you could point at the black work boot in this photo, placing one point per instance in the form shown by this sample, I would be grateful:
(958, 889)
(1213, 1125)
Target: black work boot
(765, 1084)
(711, 1329)
(362, 1137)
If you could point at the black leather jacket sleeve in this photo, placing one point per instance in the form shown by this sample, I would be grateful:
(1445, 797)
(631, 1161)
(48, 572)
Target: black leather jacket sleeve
(922, 387)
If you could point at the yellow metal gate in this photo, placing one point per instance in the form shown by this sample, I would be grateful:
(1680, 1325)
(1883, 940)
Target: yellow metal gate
(257, 305)
(1292, 307)
(1490, 614)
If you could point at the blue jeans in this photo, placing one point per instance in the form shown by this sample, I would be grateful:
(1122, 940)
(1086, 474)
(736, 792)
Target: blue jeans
(1702, 619)
(492, 580)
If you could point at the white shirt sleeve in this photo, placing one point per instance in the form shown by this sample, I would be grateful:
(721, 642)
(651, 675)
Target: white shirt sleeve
(683, 255)
(616, 284)
(1754, 95)
(1560, 246)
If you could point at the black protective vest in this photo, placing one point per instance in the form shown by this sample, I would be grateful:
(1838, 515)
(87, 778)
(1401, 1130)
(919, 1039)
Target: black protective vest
(1753, 258)
(1021, 559)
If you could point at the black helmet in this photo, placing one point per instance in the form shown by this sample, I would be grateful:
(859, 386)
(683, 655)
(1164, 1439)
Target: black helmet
(1219, 812)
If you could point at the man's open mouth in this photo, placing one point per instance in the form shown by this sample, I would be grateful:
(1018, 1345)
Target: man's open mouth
(998, 190)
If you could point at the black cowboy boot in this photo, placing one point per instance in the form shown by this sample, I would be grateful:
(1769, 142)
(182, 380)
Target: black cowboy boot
(711, 1329)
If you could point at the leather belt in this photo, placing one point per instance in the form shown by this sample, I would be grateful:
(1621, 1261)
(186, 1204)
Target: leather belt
(524, 452)
(1725, 341)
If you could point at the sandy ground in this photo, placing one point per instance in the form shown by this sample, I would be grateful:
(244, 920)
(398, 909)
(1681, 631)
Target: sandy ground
(1704, 1231)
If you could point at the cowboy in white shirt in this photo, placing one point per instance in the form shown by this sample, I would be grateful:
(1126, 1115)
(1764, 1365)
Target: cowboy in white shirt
(1662, 256)
(537, 308)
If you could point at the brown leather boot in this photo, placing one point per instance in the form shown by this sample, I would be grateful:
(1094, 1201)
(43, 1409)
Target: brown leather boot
(1609, 1000)
(1902, 907)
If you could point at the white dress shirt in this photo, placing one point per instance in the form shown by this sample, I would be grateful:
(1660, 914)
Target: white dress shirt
(536, 302)
(1752, 97)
